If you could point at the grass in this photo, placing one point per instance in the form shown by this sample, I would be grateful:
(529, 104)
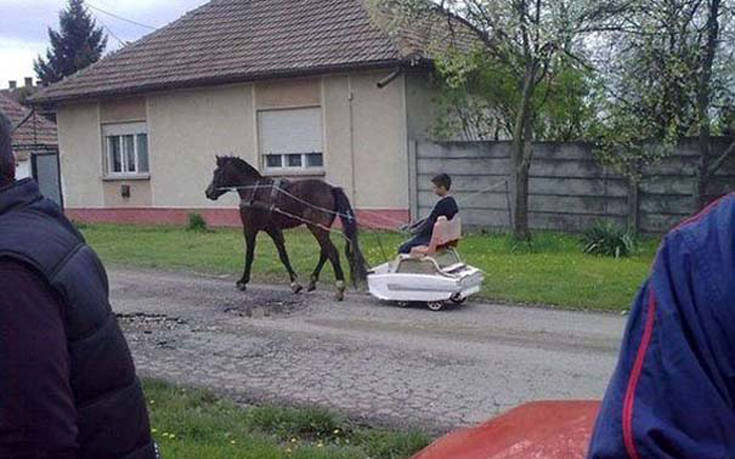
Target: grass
(193, 423)
(552, 270)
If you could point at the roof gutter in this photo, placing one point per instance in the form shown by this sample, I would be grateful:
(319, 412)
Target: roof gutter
(412, 60)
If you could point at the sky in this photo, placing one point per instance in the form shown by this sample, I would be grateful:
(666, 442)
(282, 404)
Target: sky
(24, 25)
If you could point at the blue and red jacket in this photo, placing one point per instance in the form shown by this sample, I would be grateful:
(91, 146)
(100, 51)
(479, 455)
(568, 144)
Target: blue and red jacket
(673, 392)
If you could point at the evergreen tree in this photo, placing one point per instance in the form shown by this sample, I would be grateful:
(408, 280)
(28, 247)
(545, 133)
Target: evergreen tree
(77, 44)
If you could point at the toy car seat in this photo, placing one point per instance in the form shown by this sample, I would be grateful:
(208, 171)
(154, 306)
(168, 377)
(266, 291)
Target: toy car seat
(446, 233)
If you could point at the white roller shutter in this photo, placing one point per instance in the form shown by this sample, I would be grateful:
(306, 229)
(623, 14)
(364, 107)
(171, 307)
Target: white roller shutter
(290, 131)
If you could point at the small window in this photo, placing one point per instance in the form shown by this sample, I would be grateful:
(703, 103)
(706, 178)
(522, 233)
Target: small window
(314, 160)
(274, 161)
(291, 139)
(126, 149)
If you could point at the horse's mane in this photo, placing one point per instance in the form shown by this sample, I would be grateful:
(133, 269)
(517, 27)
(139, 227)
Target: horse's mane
(240, 164)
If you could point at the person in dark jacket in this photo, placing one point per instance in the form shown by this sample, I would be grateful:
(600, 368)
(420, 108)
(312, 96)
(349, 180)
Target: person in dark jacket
(673, 391)
(445, 207)
(68, 388)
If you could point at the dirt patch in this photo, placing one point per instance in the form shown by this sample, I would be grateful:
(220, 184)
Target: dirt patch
(258, 305)
(154, 328)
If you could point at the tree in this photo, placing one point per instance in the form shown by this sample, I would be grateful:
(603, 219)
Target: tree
(669, 76)
(78, 44)
(478, 101)
(530, 42)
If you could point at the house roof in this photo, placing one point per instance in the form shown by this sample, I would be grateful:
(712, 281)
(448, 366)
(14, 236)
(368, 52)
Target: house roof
(227, 41)
(33, 130)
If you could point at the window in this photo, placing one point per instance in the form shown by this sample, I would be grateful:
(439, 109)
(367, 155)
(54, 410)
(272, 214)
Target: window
(291, 139)
(126, 149)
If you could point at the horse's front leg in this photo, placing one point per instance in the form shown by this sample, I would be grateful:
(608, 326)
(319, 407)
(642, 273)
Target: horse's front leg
(250, 238)
(280, 242)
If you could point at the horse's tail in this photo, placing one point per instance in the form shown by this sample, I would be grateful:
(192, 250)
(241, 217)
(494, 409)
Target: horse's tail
(358, 270)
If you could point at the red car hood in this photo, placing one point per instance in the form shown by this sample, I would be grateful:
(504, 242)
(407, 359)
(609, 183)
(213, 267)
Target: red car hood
(535, 430)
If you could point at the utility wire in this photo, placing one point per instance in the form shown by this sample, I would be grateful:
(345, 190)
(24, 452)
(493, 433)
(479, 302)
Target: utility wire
(116, 16)
(109, 30)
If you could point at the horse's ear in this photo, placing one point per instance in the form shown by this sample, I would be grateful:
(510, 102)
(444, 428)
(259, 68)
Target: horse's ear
(218, 160)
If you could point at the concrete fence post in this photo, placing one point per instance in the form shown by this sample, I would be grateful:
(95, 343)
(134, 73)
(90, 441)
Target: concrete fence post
(634, 205)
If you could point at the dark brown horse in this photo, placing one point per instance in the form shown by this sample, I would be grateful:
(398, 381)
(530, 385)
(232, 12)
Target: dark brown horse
(272, 205)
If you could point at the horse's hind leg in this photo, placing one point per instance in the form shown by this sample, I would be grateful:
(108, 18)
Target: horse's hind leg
(250, 238)
(317, 271)
(332, 254)
(280, 242)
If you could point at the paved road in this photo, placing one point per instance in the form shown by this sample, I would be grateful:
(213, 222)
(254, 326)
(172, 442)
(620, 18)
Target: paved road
(370, 360)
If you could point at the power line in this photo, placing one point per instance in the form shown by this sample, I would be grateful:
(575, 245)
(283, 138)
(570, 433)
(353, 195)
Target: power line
(109, 31)
(116, 16)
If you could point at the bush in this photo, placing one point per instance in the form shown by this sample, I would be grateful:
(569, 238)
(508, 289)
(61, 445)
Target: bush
(196, 223)
(608, 239)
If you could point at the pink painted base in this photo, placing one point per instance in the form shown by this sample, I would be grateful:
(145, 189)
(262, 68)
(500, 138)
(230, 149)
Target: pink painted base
(377, 219)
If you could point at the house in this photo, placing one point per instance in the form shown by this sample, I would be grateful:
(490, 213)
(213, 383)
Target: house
(33, 137)
(298, 88)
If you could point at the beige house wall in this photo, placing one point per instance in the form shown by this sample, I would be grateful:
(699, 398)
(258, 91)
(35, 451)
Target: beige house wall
(380, 145)
(80, 144)
(123, 110)
(186, 130)
(338, 150)
(288, 93)
(364, 127)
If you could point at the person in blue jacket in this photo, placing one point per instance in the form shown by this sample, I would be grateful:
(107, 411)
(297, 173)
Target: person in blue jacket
(673, 391)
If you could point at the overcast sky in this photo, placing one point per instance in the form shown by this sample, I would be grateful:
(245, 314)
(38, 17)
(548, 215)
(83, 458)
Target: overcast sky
(24, 24)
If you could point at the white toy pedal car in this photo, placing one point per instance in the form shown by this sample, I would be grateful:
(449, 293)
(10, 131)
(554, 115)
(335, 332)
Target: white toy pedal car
(433, 274)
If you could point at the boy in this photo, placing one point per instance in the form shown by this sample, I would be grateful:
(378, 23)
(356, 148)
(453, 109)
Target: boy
(445, 207)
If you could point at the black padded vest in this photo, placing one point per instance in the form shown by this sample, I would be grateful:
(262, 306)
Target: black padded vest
(112, 416)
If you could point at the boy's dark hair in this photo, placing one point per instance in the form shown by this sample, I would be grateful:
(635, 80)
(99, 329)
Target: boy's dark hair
(443, 180)
(7, 160)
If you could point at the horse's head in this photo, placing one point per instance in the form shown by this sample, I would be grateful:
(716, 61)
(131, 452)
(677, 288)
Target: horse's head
(230, 172)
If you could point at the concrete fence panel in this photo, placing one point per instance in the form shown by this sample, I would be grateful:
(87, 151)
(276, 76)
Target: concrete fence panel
(569, 190)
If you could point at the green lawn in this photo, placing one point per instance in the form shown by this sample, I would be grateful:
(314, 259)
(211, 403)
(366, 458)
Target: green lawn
(551, 271)
(196, 424)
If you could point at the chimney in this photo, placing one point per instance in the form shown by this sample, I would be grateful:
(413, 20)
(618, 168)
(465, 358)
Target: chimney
(12, 84)
(29, 82)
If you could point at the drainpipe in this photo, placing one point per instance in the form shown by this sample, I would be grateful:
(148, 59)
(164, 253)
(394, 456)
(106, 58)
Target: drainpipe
(350, 98)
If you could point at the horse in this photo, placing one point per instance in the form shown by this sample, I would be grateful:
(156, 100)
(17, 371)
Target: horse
(273, 205)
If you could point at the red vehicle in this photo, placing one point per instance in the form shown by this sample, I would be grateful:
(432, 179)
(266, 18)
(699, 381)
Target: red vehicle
(549, 430)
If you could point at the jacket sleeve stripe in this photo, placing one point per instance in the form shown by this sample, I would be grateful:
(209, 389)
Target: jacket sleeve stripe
(629, 401)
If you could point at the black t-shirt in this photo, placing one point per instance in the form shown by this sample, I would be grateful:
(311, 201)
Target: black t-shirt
(445, 207)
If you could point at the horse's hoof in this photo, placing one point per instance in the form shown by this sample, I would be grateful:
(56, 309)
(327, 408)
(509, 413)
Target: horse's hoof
(311, 287)
(340, 291)
(296, 288)
(242, 286)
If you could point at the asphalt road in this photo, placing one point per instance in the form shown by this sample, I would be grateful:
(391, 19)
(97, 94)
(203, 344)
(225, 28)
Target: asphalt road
(372, 361)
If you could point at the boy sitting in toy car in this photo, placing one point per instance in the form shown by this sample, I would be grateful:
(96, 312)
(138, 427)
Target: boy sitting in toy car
(445, 207)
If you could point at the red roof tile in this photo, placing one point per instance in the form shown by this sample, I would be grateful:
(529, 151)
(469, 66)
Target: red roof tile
(241, 40)
(34, 130)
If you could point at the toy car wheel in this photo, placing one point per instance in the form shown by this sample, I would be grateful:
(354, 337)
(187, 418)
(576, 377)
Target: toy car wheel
(402, 304)
(458, 299)
(435, 305)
